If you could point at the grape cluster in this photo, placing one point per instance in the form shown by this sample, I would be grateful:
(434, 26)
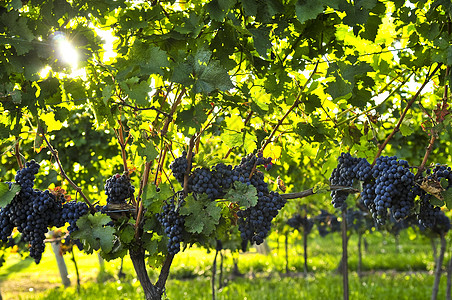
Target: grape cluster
(348, 169)
(254, 222)
(173, 223)
(442, 223)
(429, 215)
(297, 221)
(31, 211)
(179, 167)
(393, 189)
(388, 187)
(118, 188)
(440, 172)
(214, 182)
(327, 223)
(72, 211)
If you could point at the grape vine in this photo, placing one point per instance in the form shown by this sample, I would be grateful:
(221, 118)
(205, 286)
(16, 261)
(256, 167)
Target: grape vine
(389, 188)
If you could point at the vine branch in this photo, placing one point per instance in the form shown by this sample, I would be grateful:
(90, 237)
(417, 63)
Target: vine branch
(63, 174)
(397, 127)
(139, 203)
(173, 110)
(17, 153)
(295, 104)
(310, 192)
(189, 158)
(433, 133)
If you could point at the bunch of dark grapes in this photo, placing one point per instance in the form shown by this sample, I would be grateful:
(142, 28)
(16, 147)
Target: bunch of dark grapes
(214, 182)
(118, 188)
(72, 211)
(348, 169)
(428, 214)
(440, 172)
(327, 223)
(31, 211)
(179, 167)
(173, 223)
(442, 223)
(394, 188)
(298, 221)
(254, 222)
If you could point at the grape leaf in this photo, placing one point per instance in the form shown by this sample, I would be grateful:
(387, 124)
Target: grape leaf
(308, 9)
(447, 195)
(6, 194)
(126, 234)
(406, 127)
(218, 8)
(201, 215)
(242, 194)
(214, 76)
(92, 230)
(150, 243)
(152, 200)
(147, 149)
(320, 188)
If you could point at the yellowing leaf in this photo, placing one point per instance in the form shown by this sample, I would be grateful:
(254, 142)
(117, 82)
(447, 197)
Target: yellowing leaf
(52, 124)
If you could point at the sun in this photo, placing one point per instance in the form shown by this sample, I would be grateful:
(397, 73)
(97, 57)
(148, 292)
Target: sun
(65, 50)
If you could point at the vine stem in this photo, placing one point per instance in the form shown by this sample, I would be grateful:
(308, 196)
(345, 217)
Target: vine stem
(295, 104)
(349, 120)
(427, 153)
(310, 192)
(173, 110)
(402, 117)
(63, 173)
(122, 144)
(433, 133)
(164, 272)
(189, 157)
(144, 182)
(17, 153)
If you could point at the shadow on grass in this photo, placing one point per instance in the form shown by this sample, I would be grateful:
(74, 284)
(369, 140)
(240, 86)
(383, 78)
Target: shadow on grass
(17, 267)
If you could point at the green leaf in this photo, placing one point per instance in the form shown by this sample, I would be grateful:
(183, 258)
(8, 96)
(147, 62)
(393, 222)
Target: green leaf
(201, 215)
(242, 194)
(218, 8)
(147, 149)
(339, 88)
(39, 138)
(261, 40)
(320, 188)
(312, 103)
(308, 9)
(93, 230)
(436, 202)
(154, 61)
(7, 195)
(152, 200)
(214, 76)
(140, 93)
(406, 128)
(448, 198)
(150, 243)
(126, 233)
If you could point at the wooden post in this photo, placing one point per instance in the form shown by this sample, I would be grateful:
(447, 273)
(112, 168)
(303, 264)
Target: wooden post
(439, 265)
(344, 254)
(61, 264)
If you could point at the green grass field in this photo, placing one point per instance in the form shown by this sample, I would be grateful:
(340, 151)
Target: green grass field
(389, 272)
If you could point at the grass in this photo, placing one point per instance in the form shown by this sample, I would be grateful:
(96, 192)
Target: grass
(403, 272)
